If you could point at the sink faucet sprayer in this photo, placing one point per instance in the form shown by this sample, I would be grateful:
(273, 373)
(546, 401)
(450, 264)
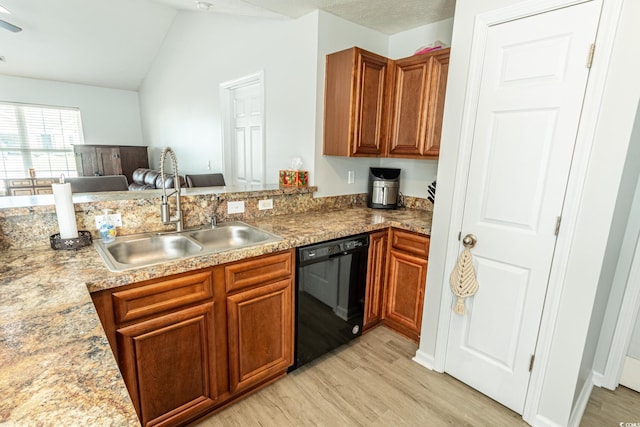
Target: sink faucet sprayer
(165, 209)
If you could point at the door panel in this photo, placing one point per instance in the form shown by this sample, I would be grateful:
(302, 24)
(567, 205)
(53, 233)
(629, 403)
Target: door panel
(530, 98)
(248, 148)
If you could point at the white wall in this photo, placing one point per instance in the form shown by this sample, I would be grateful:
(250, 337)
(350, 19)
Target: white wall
(634, 345)
(180, 95)
(335, 34)
(620, 257)
(109, 116)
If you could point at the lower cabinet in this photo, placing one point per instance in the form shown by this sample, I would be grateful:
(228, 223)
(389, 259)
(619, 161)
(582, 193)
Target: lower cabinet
(260, 327)
(396, 281)
(191, 343)
(168, 365)
(406, 277)
(376, 275)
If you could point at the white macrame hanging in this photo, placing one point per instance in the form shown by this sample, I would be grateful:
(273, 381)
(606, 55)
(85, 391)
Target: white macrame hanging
(463, 278)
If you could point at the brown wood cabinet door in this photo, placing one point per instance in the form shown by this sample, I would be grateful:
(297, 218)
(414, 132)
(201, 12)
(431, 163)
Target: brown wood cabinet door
(376, 268)
(168, 364)
(260, 330)
(418, 90)
(437, 88)
(109, 160)
(405, 292)
(132, 158)
(86, 160)
(355, 103)
(369, 112)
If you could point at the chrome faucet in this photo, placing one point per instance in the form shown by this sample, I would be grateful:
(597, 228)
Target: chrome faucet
(165, 209)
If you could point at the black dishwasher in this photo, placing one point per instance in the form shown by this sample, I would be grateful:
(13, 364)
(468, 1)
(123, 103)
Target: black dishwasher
(330, 289)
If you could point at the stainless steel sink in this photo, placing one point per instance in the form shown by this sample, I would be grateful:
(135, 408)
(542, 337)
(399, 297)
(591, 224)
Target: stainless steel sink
(143, 250)
(231, 236)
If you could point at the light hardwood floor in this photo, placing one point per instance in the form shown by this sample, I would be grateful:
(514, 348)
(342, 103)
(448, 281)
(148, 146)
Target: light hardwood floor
(374, 382)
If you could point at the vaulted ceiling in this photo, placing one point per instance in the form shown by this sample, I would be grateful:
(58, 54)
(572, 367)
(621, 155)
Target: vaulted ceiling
(113, 43)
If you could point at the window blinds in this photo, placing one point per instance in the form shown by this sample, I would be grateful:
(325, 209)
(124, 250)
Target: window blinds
(38, 137)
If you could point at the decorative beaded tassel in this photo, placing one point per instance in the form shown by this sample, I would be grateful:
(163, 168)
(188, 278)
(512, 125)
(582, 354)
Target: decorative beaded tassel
(463, 280)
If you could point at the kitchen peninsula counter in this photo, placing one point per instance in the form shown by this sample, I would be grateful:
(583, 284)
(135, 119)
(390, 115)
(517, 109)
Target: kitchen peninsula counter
(56, 363)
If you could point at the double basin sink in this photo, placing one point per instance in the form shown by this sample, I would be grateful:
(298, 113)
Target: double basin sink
(142, 250)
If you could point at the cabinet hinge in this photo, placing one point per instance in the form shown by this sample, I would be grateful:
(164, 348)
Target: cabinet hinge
(592, 50)
(558, 221)
(533, 357)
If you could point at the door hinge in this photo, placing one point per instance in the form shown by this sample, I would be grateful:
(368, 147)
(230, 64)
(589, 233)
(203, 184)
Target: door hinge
(533, 357)
(459, 235)
(592, 50)
(558, 221)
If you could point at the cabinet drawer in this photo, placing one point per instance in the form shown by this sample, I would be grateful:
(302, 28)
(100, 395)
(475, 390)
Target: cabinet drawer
(161, 296)
(21, 192)
(413, 243)
(43, 190)
(44, 181)
(257, 271)
(20, 183)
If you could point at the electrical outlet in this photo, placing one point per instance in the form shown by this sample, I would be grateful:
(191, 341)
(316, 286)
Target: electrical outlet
(115, 219)
(265, 204)
(351, 177)
(235, 207)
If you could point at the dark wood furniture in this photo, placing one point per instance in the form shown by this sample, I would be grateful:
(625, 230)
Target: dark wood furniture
(97, 160)
(379, 107)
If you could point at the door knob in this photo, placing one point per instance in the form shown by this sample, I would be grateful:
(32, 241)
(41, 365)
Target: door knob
(469, 241)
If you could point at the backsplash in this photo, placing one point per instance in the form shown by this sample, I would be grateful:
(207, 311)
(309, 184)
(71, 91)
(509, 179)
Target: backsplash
(32, 226)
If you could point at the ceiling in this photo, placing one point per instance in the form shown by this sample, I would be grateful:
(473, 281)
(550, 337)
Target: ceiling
(113, 43)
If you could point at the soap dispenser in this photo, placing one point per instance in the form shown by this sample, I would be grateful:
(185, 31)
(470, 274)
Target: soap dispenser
(107, 228)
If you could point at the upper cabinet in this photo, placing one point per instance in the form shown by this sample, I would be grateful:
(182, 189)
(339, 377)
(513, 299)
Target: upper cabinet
(354, 103)
(417, 98)
(379, 107)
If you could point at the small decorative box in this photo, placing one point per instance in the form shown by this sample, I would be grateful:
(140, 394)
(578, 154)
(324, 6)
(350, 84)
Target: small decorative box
(293, 178)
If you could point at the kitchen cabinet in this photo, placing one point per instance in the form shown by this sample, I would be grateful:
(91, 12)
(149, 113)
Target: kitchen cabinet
(418, 90)
(29, 186)
(191, 343)
(355, 117)
(376, 275)
(379, 107)
(260, 318)
(405, 286)
(92, 160)
(165, 334)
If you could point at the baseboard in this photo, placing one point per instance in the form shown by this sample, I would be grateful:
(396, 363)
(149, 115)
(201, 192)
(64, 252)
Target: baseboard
(631, 374)
(424, 359)
(581, 403)
(598, 379)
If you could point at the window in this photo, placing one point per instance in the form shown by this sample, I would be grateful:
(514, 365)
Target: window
(38, 137)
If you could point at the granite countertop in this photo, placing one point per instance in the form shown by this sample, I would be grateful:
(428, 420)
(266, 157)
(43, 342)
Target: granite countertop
(56, 363)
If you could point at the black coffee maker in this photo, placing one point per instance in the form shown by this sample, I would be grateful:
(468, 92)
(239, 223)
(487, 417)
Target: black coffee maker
(384, 188)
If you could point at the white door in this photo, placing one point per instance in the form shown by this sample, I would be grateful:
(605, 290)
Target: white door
(247, 153)
(532, 86)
